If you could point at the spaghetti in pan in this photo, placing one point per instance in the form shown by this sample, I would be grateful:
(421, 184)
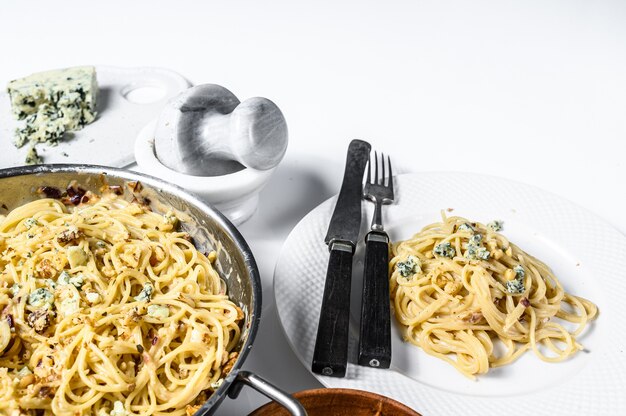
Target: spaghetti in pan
(107, 309)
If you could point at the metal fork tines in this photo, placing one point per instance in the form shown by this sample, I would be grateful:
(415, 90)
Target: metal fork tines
(379, 192)
(375, 332)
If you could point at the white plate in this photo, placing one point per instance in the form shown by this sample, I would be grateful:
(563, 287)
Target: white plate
(128, 98)
(586, 254)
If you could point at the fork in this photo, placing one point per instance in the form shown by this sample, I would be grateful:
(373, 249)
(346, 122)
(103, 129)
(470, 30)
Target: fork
(375, 330)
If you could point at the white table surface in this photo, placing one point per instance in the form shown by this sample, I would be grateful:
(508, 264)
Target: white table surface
(533, 91)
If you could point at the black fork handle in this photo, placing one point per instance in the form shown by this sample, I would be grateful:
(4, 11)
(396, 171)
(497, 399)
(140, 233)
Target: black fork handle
(375, 332)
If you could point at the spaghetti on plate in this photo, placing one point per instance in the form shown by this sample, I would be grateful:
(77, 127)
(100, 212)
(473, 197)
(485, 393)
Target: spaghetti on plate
(461, 290)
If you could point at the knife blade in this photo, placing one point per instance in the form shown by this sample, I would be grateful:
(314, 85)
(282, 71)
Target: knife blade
(330, 356)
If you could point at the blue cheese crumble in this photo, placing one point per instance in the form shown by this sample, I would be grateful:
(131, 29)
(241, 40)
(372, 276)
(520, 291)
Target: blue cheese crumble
(146, 293)
(30, 223)
(170, 218)
(476, 239)
(41, 298)
(118, 409)
(52, 285)
(15, 289)
(216, 385)
(76, 256)
(92, 297)
(158, 311)
(516, 286)
(69, 300)
(409, 267)
(32, 157)
(475, 250)
(65, 279)
(444, 250)
(465, 227)
(24, 372)
(482, 253)
(77, 281)
(496, 225)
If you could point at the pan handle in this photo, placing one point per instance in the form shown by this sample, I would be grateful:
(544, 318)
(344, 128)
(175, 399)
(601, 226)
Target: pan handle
(268, 390)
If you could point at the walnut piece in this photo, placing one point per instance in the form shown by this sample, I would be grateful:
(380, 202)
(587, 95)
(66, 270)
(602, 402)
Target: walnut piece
(39, 319)
(232, 359)
(71, 234)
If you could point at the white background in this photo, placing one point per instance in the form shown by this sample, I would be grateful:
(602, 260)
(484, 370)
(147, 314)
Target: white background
(533, 91)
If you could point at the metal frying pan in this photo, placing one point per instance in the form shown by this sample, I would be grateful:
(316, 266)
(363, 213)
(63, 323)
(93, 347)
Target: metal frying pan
(206, 225)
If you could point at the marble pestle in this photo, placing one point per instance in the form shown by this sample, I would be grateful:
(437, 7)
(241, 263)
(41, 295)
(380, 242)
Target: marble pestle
(207, 131)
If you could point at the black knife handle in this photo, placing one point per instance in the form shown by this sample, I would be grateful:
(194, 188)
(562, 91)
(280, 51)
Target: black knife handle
(330, 357)
(375, 333)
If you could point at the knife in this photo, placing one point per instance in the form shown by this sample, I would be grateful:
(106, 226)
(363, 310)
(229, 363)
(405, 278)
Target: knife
(330, 357)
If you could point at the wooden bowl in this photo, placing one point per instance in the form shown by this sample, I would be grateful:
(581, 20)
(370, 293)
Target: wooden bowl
(340, 402)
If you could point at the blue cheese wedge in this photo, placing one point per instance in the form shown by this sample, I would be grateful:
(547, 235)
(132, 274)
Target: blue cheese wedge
(71, 91)
(45, 126)
(51, 103)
